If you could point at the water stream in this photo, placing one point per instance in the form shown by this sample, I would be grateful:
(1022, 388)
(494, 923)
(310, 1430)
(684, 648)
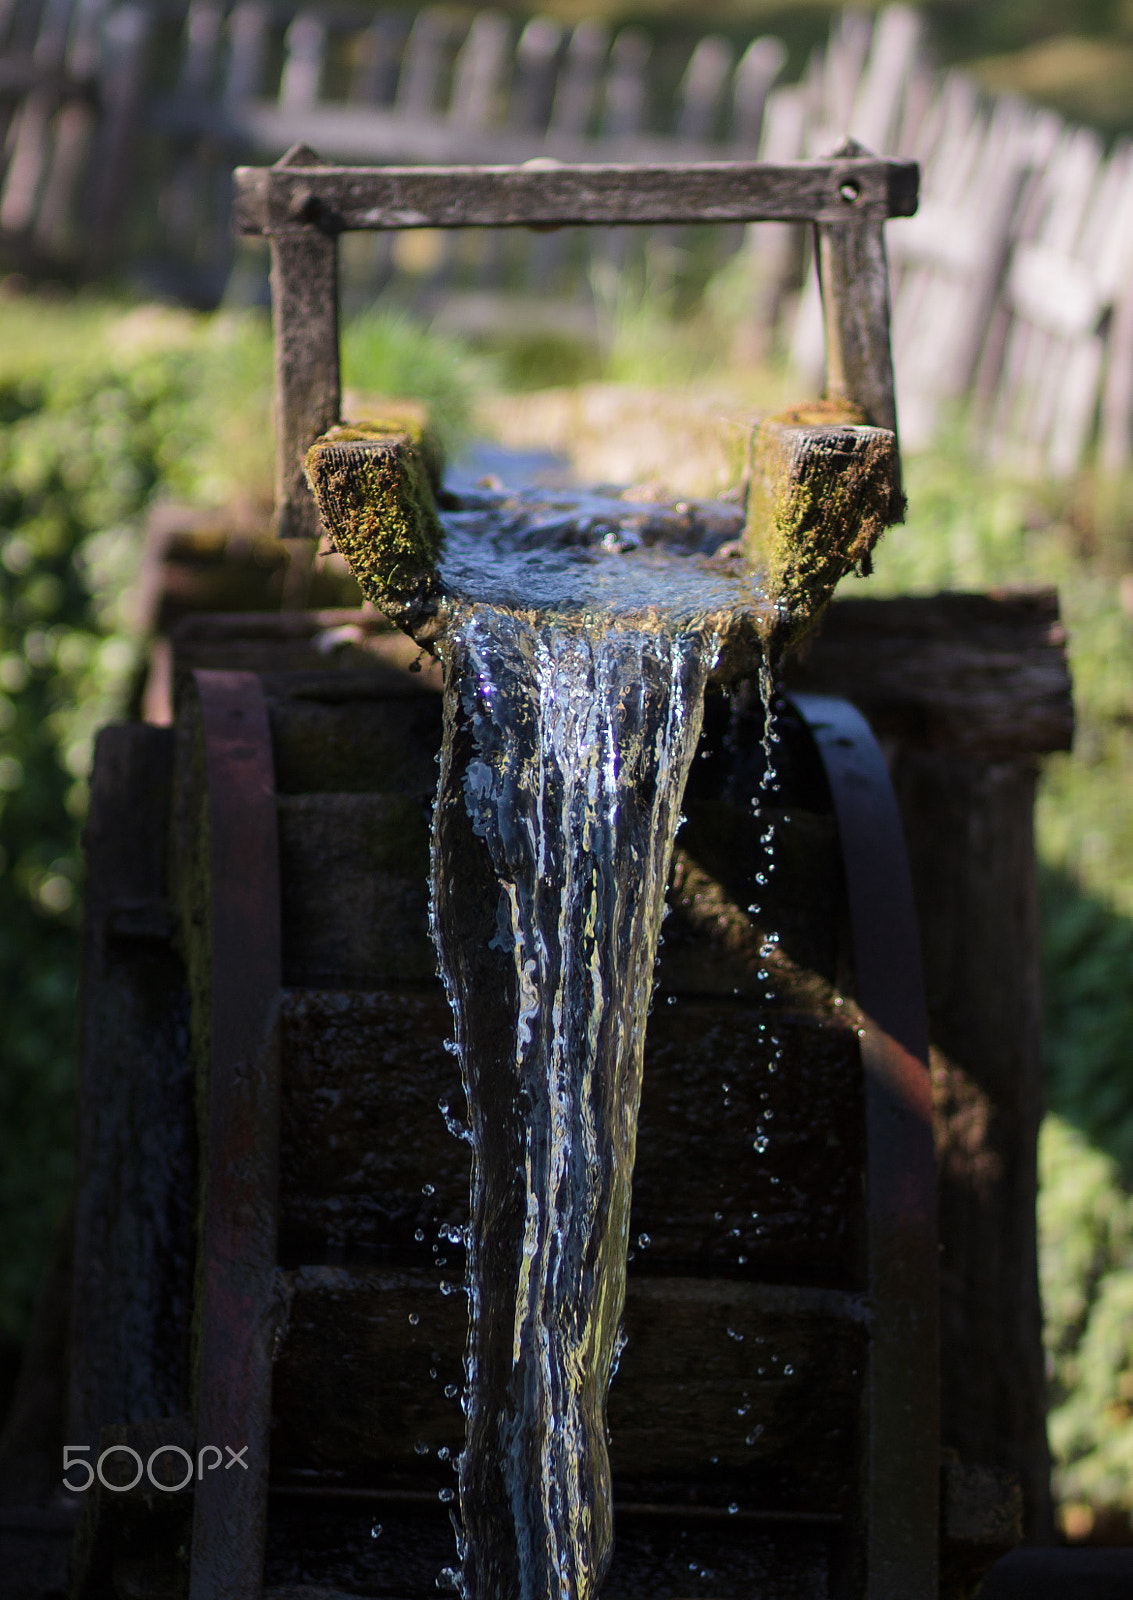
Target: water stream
(579, 636)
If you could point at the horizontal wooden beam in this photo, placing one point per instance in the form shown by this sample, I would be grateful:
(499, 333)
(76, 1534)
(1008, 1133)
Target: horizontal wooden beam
(275, 200)
(982, 676)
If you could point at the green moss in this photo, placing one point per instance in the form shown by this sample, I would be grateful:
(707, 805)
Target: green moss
(823, 491)
(378, 503)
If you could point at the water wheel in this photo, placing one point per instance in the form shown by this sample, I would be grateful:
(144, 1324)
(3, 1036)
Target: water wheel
(279, 1037)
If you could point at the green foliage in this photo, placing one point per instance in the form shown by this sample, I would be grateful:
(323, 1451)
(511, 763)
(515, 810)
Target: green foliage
(386, 353)
(102, 411)
(1086, 1231)
(85, 443)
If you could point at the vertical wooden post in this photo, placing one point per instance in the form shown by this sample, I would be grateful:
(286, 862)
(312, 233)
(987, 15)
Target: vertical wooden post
(854, 277)
(853, 273)
(236, 1318)
(304, 295)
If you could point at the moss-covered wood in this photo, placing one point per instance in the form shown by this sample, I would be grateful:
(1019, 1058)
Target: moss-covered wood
(374, 484)
(824, 487)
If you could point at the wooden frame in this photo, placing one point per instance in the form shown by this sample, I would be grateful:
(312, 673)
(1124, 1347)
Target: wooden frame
(302, 206)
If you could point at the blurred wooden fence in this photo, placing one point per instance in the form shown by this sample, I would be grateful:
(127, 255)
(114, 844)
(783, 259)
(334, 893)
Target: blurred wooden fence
(1013, 286)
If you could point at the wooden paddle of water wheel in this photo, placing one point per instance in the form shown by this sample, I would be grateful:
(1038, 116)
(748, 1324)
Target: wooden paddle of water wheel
(268, 1306)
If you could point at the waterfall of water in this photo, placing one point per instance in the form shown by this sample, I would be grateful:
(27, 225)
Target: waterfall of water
(565, 757)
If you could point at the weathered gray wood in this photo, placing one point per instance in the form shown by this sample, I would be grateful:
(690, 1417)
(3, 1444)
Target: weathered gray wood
(854, 275)
(304, 283)
(378, 59)
(55, 233)
(479, 72)
(306, 46)
(759, 66)
(424, 58)
(204, 28)
(31, 133)
(127, 38)
(623, 107)
(533, 84)
(575, 93)
(247, 38)
(702, 90)
(277, 199)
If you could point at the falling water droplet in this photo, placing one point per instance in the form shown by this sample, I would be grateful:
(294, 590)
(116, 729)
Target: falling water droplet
(414, 1319)
(428, 1188)
(376, 1531)
(421, 1448)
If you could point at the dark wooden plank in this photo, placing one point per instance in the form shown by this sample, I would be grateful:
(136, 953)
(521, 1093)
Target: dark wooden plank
(236, 982)
(980, 675)
(1076, 1574)
(136, 1152)
(969, 824)
(716, 1379)
(749, 1151)
(355, 746)
(967, 690)
(392, 1548)
(362, 1132)
(355, 873)
(279, 200)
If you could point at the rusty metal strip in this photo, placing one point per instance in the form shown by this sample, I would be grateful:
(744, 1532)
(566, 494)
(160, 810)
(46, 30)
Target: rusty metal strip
(235, 1314)
(902, 1495)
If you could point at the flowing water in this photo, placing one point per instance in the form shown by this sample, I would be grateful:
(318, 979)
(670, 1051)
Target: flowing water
(579, 636)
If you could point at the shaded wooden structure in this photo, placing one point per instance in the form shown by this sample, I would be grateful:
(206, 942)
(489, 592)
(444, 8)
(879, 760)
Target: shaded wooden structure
(371, 1182)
